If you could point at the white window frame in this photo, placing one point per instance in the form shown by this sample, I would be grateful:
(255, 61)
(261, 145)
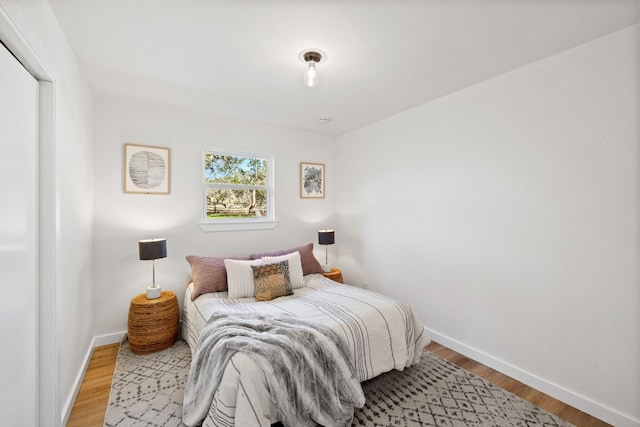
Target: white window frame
(234, 224)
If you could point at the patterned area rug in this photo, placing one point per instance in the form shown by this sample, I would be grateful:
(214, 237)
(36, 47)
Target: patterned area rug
(147, 391)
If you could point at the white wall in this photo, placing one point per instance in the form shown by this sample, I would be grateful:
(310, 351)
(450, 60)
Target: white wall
(72, 199)
(121, 219)
(508, 214)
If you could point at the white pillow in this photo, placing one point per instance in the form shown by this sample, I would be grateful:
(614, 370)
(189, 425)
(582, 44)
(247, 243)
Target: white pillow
(240, 277)
(295, 267)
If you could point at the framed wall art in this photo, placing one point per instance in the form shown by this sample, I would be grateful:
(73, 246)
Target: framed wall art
(147, 169)
(312, 179)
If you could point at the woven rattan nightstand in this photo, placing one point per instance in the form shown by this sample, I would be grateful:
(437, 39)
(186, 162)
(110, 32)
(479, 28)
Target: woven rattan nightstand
(335, 274)
(153, 323)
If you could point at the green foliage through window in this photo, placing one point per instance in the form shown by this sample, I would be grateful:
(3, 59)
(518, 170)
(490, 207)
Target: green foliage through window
(235, 170)
(237, 186)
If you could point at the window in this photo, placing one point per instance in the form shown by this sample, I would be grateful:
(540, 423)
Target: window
(237, 191)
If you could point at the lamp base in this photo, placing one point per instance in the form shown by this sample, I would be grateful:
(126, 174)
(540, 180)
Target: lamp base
(154, 292)
(326, 268)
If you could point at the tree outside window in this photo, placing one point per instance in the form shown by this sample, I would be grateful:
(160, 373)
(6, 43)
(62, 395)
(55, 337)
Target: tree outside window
(237, 186)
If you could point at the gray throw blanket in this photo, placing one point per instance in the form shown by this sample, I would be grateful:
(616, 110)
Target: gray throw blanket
(307, 367)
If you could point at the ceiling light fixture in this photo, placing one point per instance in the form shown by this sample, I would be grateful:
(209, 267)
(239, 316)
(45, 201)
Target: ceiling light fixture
(312, 58)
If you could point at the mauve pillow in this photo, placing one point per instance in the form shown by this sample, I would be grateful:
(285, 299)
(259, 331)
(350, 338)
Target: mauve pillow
(208, 274)
(309, 262)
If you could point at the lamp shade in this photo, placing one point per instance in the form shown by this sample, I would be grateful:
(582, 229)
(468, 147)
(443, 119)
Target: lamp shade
(326, 237)
(152, 249)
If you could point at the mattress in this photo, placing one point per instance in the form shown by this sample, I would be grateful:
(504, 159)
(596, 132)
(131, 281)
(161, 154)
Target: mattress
(382, 334)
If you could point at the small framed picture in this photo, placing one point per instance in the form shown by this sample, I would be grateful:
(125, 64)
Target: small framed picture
(146, 169)
(312, 180)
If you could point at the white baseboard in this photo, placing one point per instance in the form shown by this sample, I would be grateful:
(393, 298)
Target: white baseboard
(68, 405)
(113, 338)
(576, 400)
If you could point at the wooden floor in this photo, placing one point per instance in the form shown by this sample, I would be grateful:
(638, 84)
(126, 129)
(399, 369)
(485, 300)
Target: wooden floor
(532, 395)
(91, 403)
(93, 396)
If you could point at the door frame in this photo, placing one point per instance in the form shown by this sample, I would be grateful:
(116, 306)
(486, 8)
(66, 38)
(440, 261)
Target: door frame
(48, 235)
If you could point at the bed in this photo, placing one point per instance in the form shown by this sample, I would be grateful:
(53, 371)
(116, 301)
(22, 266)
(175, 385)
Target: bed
(382, 334)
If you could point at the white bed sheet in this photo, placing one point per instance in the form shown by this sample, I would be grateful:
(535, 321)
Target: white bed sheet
(382, 333)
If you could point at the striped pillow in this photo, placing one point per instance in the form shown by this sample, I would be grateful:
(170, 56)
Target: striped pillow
(240, 277)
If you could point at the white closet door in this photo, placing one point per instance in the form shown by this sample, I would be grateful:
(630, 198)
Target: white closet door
(18, 242)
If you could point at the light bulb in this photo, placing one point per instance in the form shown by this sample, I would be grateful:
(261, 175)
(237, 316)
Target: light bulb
(311, 75)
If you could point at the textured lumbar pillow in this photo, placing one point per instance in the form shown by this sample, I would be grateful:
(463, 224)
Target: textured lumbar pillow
(271, 281)
(240, 277)
(208, 275)
(309, 262)
(295, 267)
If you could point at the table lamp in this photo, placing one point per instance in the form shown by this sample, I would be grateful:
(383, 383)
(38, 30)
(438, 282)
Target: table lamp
(152, 249)
(326, 238)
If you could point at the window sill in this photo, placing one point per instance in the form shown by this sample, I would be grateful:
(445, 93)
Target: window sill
(237, 225)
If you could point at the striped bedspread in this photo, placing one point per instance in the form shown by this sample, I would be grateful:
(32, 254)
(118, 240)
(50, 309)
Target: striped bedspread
(382, 334)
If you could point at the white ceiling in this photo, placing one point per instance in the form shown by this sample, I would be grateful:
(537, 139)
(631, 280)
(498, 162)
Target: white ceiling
(239, 58)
